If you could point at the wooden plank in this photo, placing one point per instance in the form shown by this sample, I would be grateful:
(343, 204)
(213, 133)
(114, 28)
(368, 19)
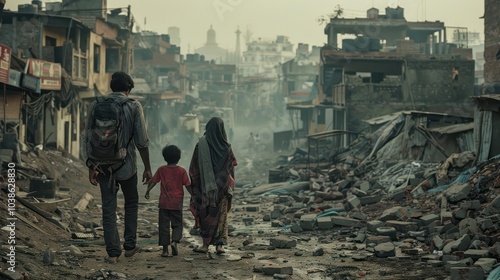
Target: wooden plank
(25, 220)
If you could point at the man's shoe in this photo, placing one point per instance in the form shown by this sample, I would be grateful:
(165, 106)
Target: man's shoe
(130, 253)
(175, 252)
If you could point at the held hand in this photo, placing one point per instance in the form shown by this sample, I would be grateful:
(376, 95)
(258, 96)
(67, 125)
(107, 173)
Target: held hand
(93, 177)
(146, 176)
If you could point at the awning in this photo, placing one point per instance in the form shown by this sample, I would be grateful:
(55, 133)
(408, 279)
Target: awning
(112, 42)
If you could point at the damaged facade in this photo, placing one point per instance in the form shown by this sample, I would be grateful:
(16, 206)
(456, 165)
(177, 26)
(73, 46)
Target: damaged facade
(492, 47)
(82, 50)
(392, 65)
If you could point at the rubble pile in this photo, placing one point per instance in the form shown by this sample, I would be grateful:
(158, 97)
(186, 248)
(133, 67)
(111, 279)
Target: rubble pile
(443, 215)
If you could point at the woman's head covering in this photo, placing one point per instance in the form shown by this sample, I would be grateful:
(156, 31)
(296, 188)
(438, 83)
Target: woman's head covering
(217, 141)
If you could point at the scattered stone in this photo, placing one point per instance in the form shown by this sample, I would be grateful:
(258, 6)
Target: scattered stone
(277, 224)
(318, 252)
(11, 275)
(475, 254)
(469, 273)
(324, 223)
(359, 216)
(428, 219)
(387, 231)
(403, 227)
(394, 213)
(48, 257)
(457, 192)
(468, 226)
(252, 208)
(308, 222)
(352, 203)
(376, 240)
(276, 214)
(486, 264)
(296, 228)
(71, 249)
(283, 243)
(277, 269)
(373, 225)
(385, 250)
(346, 222)
(370, 199)
(299, 253)
(360, 238)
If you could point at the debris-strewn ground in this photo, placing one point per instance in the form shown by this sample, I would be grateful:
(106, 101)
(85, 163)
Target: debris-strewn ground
(378, 220)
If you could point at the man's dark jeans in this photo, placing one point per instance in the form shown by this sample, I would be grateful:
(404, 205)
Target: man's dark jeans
(109, 203)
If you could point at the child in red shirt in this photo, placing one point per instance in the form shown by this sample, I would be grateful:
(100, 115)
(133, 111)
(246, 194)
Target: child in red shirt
(172, 178)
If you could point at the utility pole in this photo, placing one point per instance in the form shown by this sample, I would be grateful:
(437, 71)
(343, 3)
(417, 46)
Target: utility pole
(130, 25)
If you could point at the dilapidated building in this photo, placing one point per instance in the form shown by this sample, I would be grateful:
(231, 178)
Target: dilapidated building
(492, 46)
(389, 64)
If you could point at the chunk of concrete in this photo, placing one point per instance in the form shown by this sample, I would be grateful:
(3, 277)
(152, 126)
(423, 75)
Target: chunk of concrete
(461, 244)
(373, 225)
(428, 219)
(352, 203)
(486, 264)
(345, 222)
(468, 226)
(277, 269)
(496, 203)
(370, 199)
(438, 242)
(385, 250)
(467, 273)
(308, 222)
(324, 223)
(401, 226)
(283, 243)
(394, 213)
(359, 193)
(376, 240)
(476, 254)
(457, 192)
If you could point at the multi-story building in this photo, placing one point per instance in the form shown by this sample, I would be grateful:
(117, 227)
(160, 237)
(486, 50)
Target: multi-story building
(262, 57)
(491, 46)
(79, 52)
(158, 63)
(389, 64)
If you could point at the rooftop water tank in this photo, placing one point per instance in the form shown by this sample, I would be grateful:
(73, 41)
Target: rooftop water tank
(27, 8)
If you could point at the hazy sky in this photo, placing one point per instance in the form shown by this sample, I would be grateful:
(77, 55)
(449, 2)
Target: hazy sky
(268, 18)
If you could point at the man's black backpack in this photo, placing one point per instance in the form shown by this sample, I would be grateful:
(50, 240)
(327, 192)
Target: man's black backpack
(106, 146)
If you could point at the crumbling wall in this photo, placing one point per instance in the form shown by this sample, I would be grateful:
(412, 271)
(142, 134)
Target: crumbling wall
(430, 81)
(492, 42)
(25, 34)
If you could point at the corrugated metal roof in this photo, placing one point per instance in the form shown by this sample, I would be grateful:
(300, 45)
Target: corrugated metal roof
(495, 97)
(387, 118)
(454, 128)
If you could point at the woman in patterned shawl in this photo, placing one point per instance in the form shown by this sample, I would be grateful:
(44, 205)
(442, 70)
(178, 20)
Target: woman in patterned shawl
(212, 184)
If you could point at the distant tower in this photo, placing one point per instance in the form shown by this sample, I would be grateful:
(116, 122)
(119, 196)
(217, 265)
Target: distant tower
(248, 36)
(174, 33)
(237, 51)
(211, 37)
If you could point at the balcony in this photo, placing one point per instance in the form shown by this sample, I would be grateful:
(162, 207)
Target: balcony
(75, 62)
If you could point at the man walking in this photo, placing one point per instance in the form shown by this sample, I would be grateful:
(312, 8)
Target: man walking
(122, 127)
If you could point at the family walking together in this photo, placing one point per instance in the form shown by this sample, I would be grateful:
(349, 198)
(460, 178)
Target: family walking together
(115, 128)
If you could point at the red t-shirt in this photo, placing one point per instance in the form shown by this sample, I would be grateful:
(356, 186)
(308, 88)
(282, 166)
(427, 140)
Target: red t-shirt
(172, 178)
